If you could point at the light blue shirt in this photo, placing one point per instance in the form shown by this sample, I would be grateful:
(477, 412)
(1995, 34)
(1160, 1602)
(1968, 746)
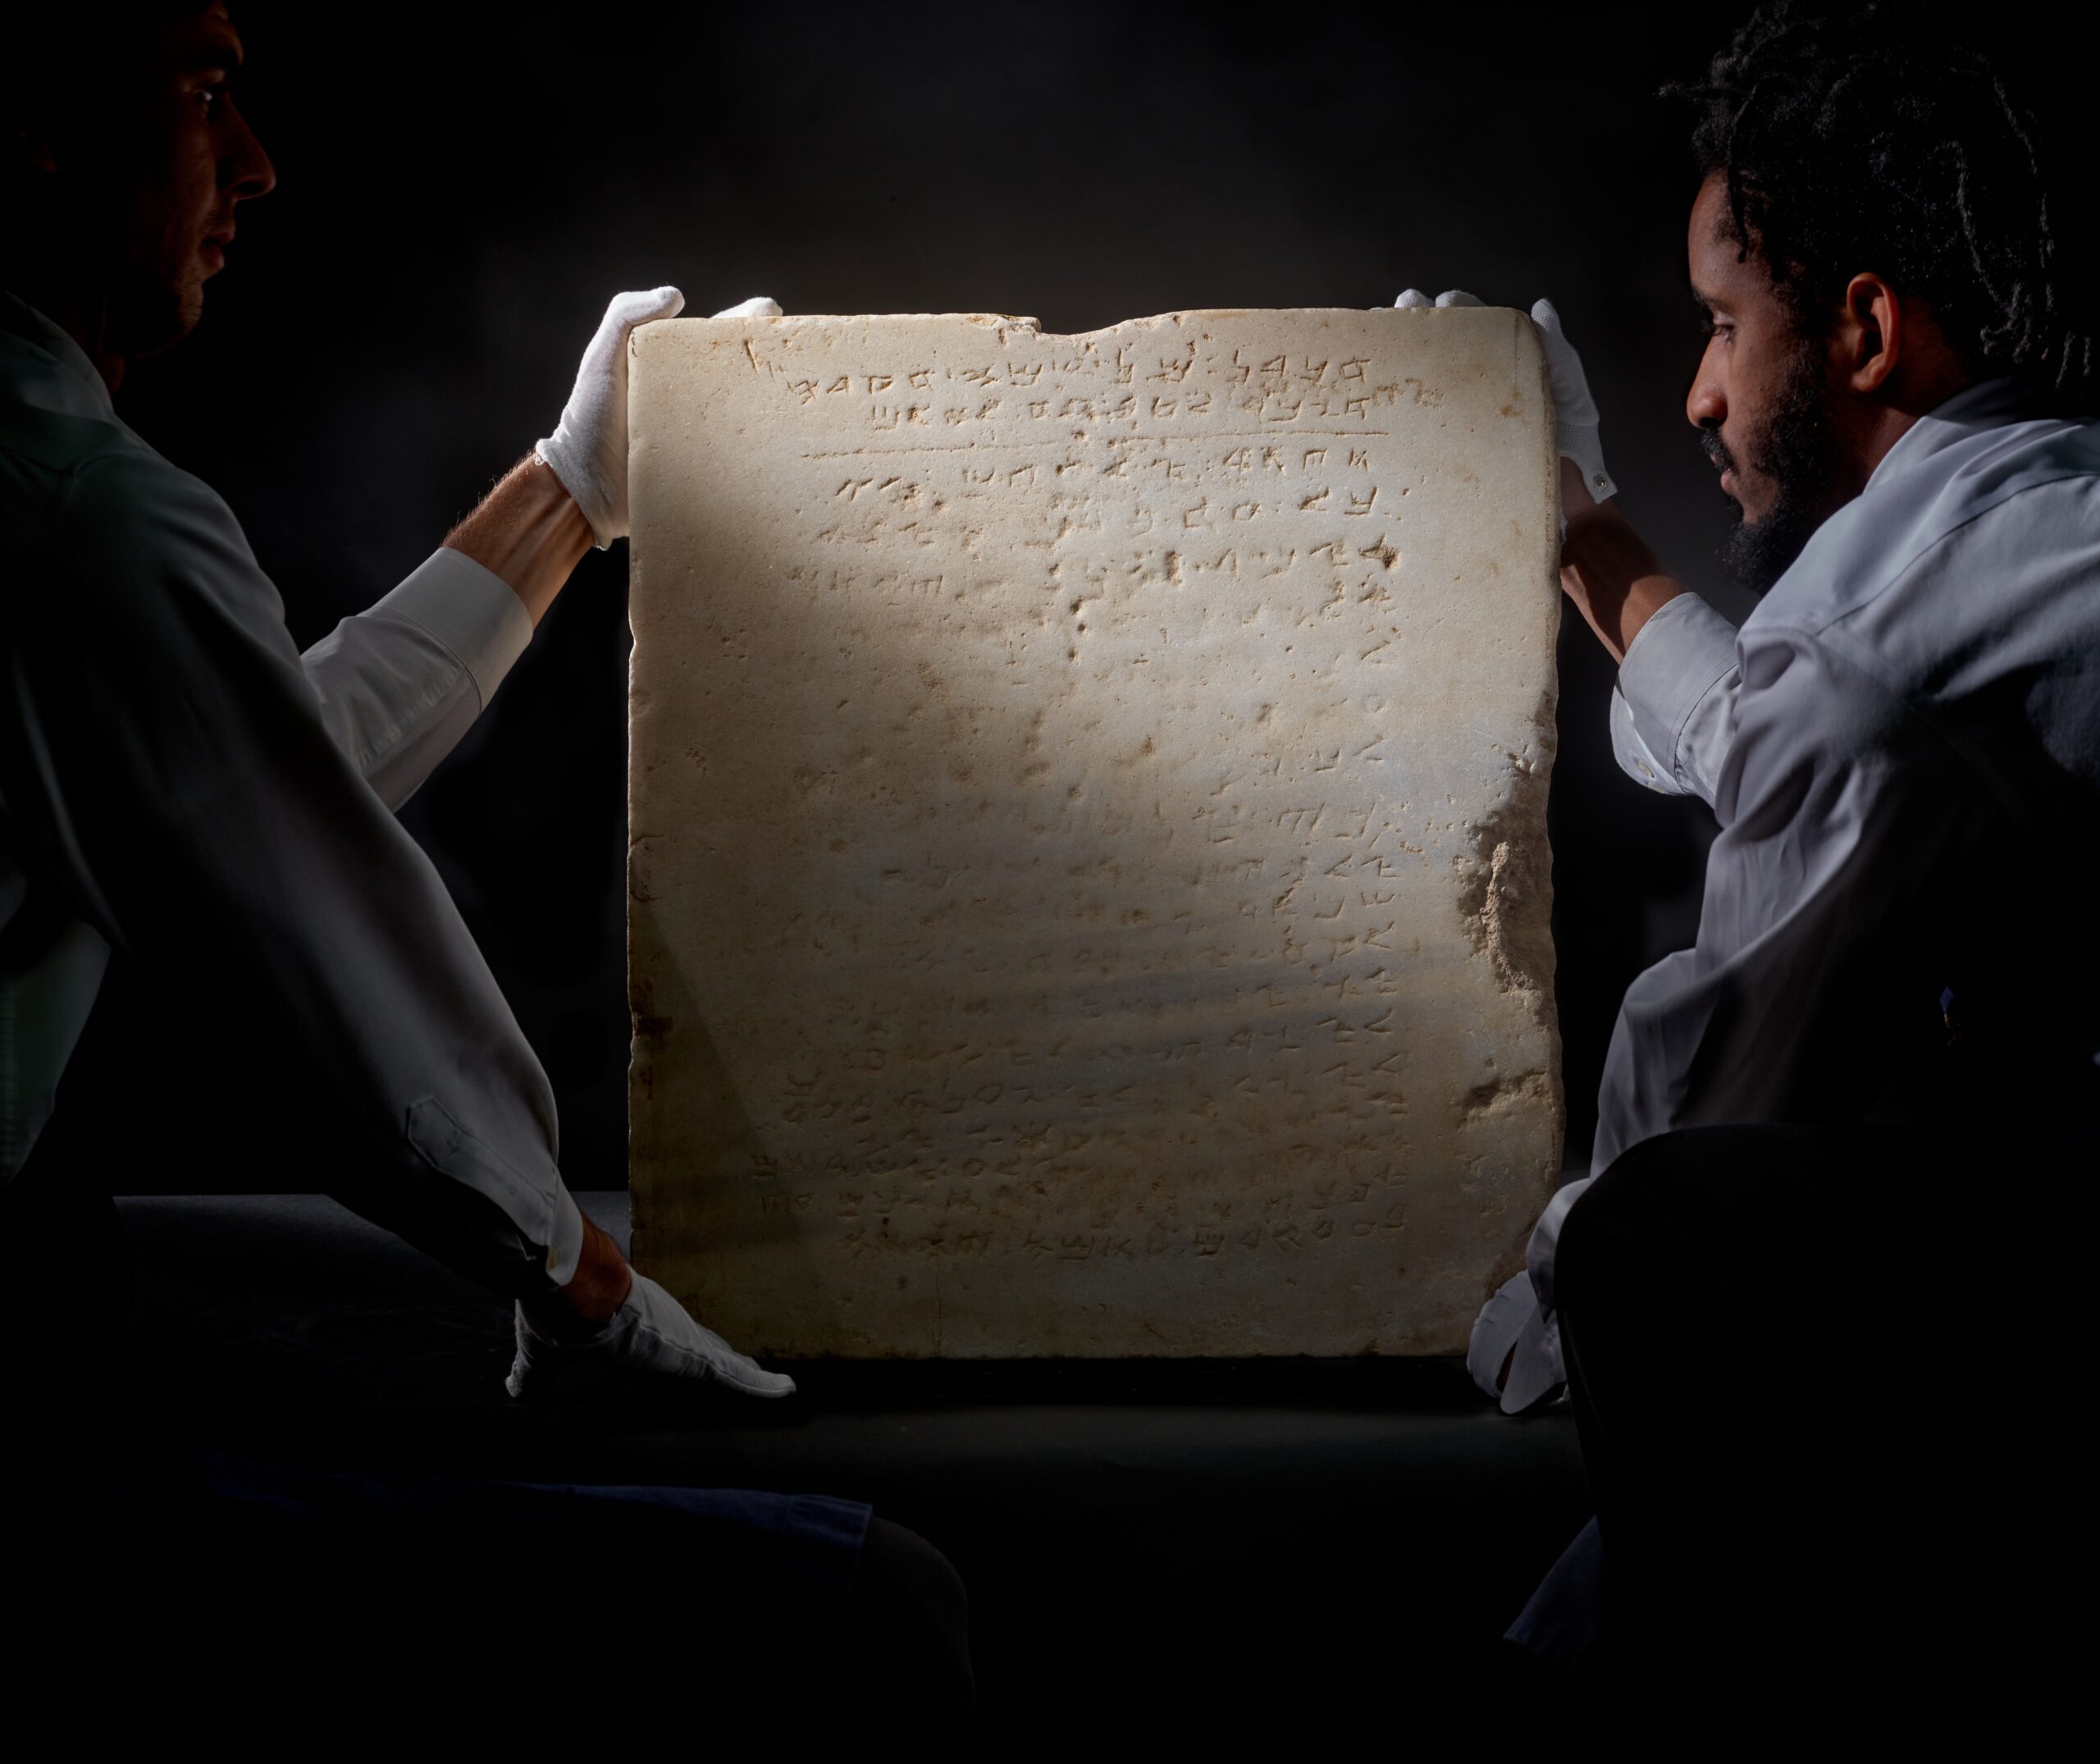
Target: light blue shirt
(178, 783)
(1902, 747)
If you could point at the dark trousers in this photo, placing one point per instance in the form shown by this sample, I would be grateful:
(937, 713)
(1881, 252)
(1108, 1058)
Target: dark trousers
(153, 1589)
(1828, 1388)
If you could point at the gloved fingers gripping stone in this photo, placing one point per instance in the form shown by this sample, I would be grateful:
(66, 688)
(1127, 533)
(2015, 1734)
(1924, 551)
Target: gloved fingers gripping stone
(1495, 1330)
(1578, 422)
(1535, 1376)
(640, 307)
(587, 450)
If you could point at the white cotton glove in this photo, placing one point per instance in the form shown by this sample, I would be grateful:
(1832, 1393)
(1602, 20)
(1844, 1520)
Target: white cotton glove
(1574, 411)
(1512, 1319)
(649, 1341)
(587, 450)
(1415, 297)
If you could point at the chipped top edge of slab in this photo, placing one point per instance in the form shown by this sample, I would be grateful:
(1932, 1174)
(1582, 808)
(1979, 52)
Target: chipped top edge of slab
(1012, 322)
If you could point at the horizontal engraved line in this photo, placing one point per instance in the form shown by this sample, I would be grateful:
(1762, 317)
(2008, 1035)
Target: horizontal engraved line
(1197, 435)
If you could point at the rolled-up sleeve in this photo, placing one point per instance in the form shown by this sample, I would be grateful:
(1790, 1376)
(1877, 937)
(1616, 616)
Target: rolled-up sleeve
(169, 768)
(1673, 709)
(399, 683)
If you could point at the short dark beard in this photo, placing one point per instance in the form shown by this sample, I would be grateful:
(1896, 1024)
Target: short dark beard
(1795, 448)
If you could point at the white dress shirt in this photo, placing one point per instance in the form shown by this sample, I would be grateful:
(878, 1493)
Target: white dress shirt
(1902, 745)
(180, 785)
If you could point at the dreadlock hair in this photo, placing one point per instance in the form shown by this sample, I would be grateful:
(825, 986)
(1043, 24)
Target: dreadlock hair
(1845, 147)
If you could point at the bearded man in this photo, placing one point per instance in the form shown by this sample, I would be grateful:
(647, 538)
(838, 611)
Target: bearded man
(1836, 1133)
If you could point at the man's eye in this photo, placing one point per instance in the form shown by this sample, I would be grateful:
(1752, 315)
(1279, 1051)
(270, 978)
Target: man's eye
(215, 99)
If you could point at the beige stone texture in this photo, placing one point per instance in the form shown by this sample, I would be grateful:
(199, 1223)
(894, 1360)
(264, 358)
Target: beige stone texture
(1088, 880)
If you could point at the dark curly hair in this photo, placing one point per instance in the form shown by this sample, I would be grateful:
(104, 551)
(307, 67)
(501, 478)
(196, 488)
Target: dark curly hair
(1845, 146)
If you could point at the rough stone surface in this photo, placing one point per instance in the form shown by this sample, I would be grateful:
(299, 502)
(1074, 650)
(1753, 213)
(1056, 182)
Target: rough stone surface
(1087, 887)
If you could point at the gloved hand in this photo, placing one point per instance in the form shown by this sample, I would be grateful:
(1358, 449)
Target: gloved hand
(587, 450)
(1575, 412)
(1511, 1327)
(648, 1342)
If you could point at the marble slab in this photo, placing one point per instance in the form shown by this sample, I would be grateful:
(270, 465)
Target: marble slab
(1088, 887)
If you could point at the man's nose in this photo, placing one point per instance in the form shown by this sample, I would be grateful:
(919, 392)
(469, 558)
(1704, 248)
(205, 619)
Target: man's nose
(1706, 405)
(244, 169)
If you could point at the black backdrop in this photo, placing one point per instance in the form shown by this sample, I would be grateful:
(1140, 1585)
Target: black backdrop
(458, 200)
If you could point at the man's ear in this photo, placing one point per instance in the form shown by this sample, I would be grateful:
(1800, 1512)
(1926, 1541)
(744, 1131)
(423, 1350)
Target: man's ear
(1869, 337)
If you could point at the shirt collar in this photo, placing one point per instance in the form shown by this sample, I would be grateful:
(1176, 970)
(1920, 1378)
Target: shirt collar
(1987, 404)
(27, 323)
(1962, 457)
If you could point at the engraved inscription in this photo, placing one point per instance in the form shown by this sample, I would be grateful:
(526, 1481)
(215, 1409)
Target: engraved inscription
(1088, 808)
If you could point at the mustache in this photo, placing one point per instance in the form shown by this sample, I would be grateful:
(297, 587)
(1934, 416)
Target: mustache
(1716, 451)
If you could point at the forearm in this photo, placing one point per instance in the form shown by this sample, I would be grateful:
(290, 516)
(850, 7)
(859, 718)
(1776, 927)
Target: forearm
(1607, 569)
(528, 530)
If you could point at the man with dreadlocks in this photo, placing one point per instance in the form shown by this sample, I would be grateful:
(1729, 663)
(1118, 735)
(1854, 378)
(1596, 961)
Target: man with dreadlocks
(1840, 1121)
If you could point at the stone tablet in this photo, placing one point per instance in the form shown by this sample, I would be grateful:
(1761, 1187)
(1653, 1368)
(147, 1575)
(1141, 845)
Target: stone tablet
(1088, 880)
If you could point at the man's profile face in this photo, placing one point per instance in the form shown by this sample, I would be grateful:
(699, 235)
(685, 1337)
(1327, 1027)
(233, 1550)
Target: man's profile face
(184, 158)
(1760, 400)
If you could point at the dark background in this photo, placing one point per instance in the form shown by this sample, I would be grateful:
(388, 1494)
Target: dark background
(402, 318)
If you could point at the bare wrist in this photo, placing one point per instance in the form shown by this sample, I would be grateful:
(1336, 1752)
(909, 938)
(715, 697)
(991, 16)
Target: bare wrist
(1586, 524)
(1615, 580)
(529, 531)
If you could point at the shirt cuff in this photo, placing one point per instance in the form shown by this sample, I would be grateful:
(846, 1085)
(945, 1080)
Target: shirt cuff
(468, 609)
(1669, 685)
(1632, 752)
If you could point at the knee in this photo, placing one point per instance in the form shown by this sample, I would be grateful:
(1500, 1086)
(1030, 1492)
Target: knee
(1642, 1213)
(1594, 1232)
(916, 1604)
